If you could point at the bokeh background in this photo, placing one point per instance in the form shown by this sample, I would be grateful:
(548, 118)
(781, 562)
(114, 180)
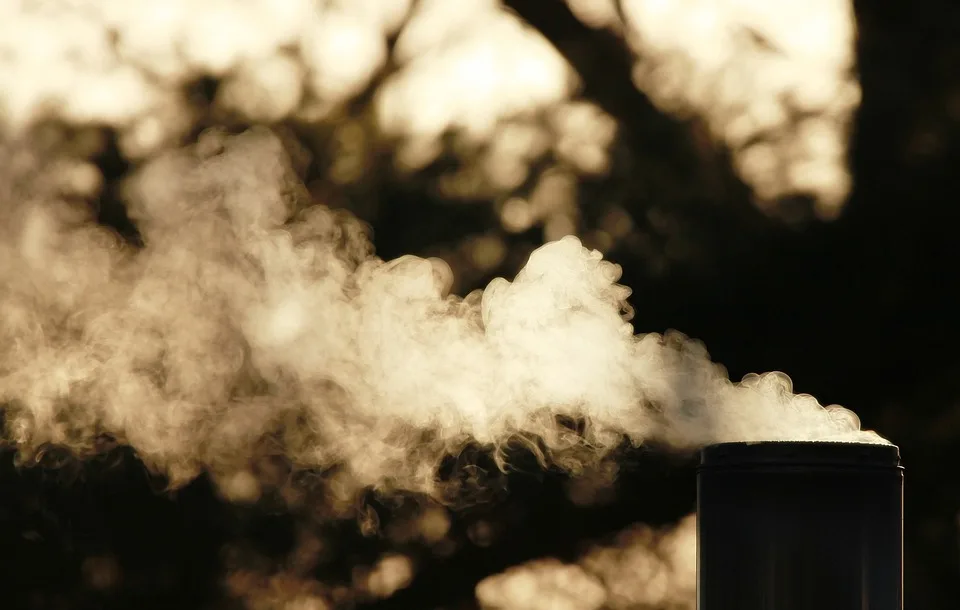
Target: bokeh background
(776, 180)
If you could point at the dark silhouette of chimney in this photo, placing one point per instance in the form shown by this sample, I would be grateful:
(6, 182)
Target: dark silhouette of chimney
(800, 526)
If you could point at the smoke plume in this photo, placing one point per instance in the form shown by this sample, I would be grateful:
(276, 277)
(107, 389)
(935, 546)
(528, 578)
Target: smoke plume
(256, 320)
(247, 328)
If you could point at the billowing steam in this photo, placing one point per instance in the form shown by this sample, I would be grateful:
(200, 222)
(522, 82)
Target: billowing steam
(255, 320)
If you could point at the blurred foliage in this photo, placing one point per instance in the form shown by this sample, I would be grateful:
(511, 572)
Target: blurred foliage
(859, 310)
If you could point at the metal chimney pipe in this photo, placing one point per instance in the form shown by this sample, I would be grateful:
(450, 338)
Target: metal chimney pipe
(800, 526)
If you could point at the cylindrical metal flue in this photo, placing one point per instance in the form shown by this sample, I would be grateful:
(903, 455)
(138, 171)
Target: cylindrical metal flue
(800, 526)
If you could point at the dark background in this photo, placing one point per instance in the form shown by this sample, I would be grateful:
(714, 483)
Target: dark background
(859, 311)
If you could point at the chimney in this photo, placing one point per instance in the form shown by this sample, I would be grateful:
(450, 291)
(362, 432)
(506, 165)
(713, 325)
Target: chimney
(800, 526)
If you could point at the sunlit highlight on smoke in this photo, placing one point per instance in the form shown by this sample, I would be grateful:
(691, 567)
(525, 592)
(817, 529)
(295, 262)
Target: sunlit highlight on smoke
(253, 313)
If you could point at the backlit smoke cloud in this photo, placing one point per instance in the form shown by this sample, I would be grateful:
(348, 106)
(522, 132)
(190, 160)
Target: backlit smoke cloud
(255, 322)
(253, 313)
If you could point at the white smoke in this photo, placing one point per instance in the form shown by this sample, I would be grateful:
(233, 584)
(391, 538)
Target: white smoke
(256, 322)
(253, 313)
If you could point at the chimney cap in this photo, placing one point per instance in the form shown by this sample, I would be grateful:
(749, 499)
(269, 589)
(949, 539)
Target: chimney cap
(828, 454)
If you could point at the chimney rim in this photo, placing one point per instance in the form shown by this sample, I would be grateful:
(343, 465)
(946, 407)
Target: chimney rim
(749, 454)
